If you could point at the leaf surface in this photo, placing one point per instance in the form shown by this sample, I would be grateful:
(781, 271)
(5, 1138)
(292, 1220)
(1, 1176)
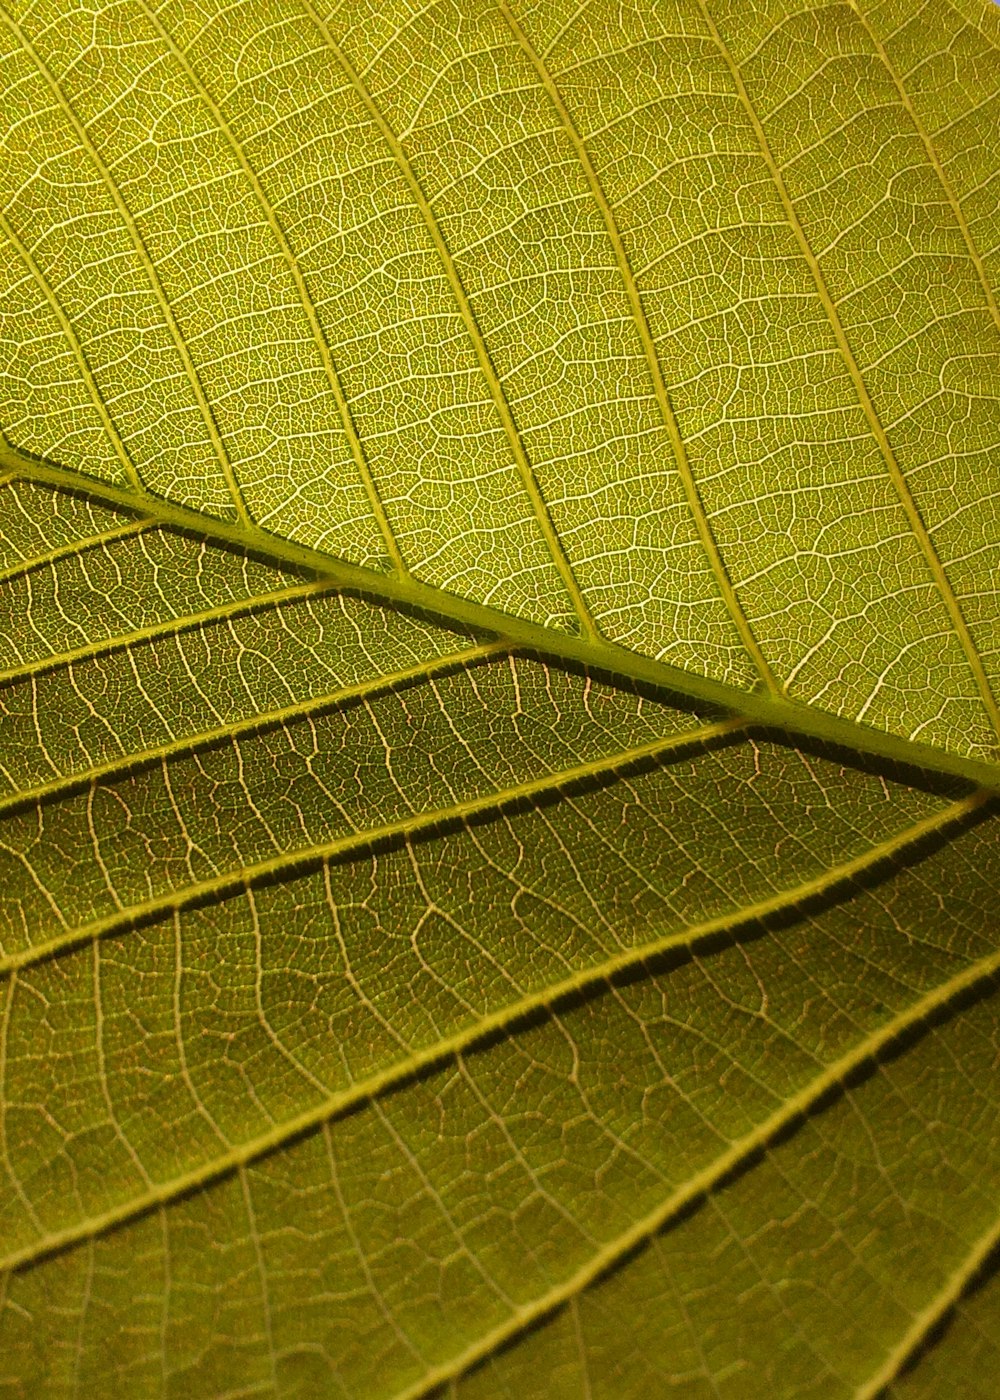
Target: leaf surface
(498, 672)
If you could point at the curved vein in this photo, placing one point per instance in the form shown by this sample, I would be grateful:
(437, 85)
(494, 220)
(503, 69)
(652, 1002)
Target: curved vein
(704, 529)
(126, 764)
(148, 266)
(935, 161)
(910, 508)
(289, 864)
(79, 355)
(304, 295)
(486, 366)
(546, 1000)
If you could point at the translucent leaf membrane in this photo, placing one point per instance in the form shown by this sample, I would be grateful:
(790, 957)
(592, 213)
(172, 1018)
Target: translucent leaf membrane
(672, 326)
(384, 1009)
(972, 1332)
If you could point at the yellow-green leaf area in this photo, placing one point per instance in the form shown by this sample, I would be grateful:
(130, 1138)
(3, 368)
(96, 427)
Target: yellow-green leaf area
(483, 299)
(499, 700)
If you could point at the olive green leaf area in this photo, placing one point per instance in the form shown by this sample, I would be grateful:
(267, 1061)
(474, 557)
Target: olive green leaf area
(499, 649)
(372, 992)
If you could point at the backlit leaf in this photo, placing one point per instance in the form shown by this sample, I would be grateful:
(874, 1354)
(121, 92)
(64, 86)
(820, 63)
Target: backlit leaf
(498, 699)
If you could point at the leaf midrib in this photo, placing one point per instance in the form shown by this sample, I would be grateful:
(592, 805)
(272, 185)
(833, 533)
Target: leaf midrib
(795, 717)
(797, 720)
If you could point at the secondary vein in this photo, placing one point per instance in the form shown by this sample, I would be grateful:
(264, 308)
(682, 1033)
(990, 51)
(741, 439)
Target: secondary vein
(547, 1000)
(704, 529)
(896, 475)
(67, 784)
(288, 864)
(791, 716)
(148, 266)
(935, 161)
(171, 627)
(301, 287)
(496, 391)
(79, 354)
(702, 1183)
(928, 1319)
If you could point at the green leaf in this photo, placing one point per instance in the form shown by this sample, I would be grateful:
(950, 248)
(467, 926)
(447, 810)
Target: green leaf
(498, 680)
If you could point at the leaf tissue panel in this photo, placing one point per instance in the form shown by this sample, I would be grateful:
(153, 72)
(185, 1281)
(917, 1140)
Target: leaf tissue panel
(499, 673)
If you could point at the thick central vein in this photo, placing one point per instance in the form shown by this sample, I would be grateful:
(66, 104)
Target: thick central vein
(775, 711)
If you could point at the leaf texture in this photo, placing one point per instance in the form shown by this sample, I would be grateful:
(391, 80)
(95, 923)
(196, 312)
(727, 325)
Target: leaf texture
(498, 673)
(355, 355)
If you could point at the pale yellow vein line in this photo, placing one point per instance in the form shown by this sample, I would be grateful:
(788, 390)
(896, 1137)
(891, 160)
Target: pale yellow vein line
(180, 1042)
(65, 785)
(262, 1278)
(287, 864)
(6, 1099)
(84, 1307)
(351, 979)
(426, 1190)
(638, 310)
(496, 390)
(102, 1072)
(74, 548)
(582, 1357)
(986, 23)
(928, 1318)
(466, 1038)
(172, 627)
(910, 508)
(83, 364)
(301, 287)
(376, 1293)
(564, 28)
(935, 161)
(142, 253)
(707, 1179)
(278, 1046)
